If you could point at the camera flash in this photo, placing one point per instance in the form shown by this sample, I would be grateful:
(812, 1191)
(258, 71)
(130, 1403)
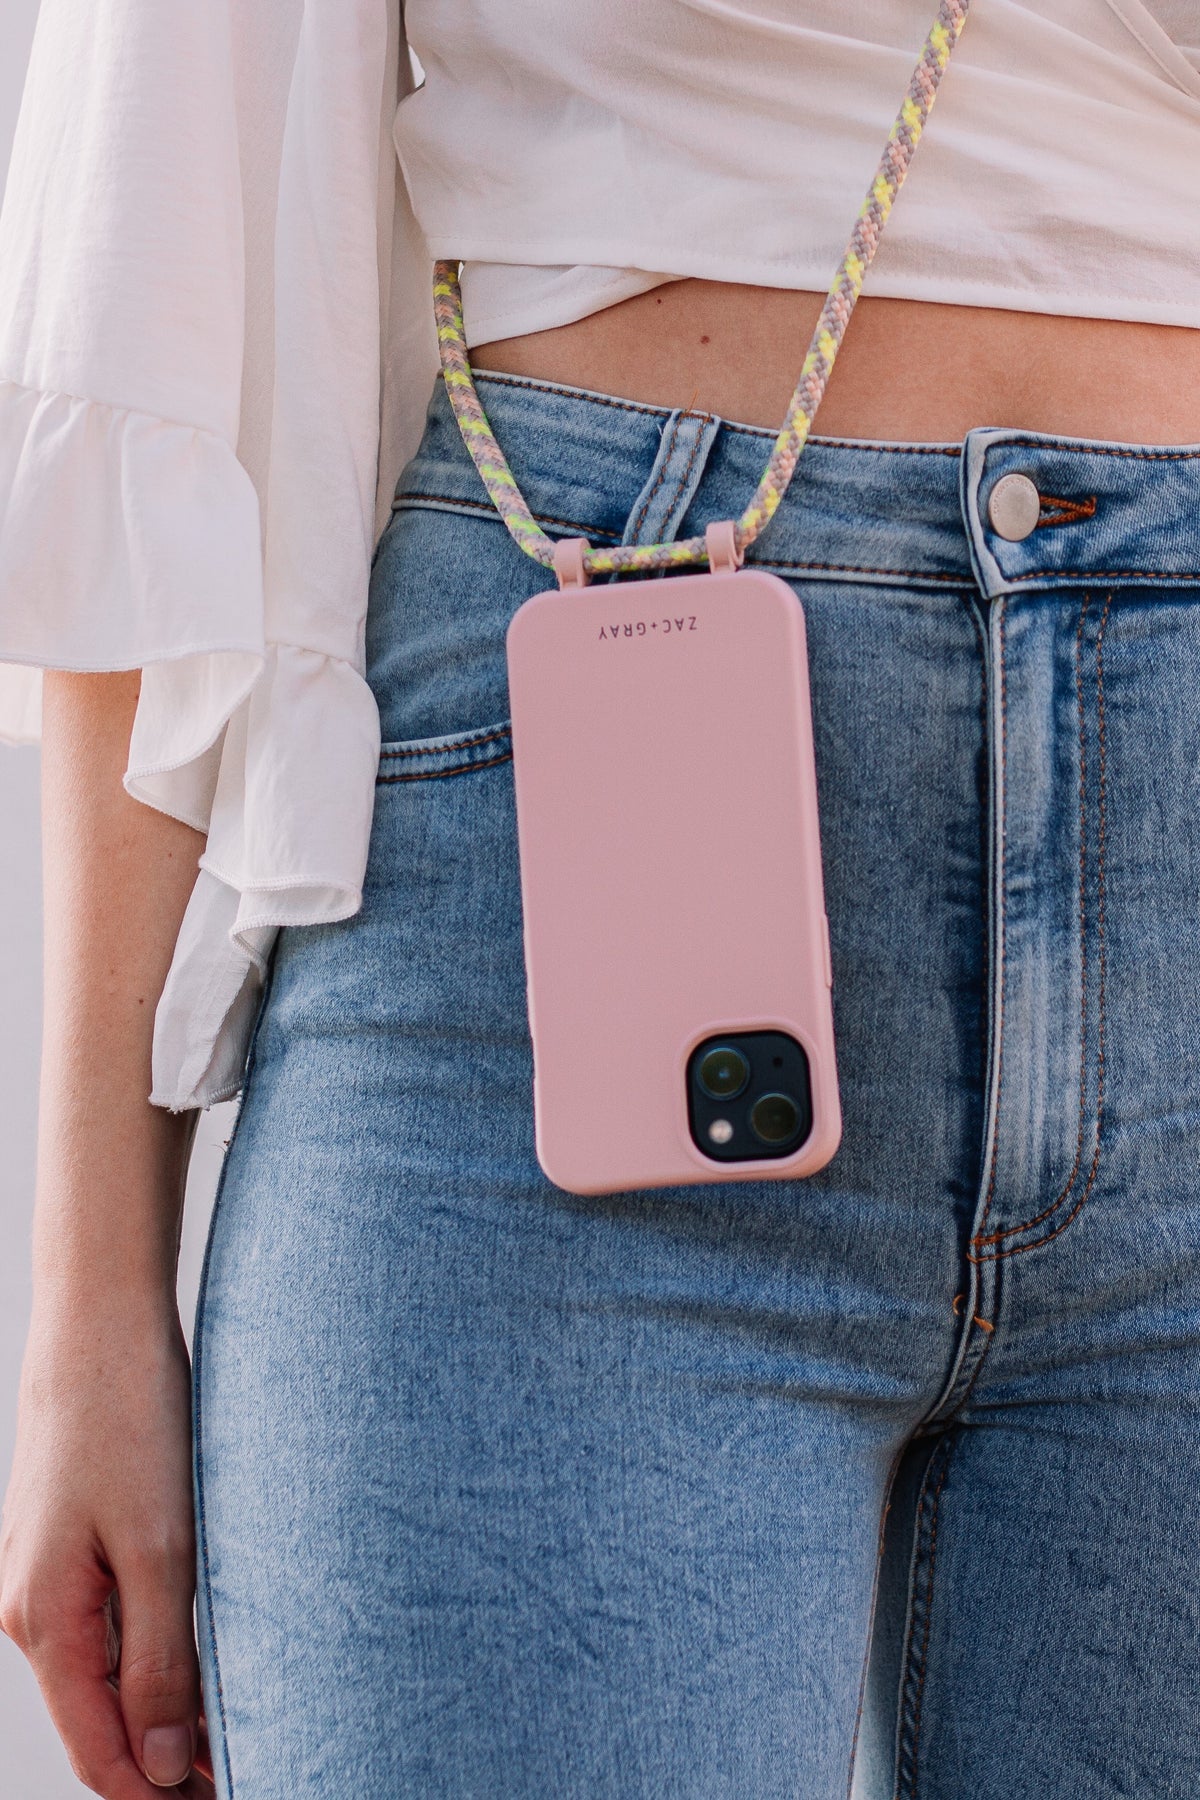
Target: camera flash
(720, 1131)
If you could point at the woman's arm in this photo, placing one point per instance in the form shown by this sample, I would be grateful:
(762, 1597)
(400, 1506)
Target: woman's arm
(98, 1542)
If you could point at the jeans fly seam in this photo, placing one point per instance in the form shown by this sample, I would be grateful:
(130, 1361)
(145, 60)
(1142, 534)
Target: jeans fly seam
(1102, 955)
(986, 972)
(998, 1237)
(999, 887)
(908, 1759)
(976, 1326)
(937, 1418)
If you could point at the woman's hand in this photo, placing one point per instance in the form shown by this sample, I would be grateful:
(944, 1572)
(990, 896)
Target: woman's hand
(97, 1558)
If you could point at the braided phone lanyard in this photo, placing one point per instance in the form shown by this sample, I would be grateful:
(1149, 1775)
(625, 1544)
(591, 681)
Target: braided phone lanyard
(725, 542)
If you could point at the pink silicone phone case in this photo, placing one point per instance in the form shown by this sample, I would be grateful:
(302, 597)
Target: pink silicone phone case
(670, 864)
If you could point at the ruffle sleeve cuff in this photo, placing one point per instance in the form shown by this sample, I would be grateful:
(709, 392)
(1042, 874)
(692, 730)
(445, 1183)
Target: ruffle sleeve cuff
(128, 541)
(125, 540)
(298, 770)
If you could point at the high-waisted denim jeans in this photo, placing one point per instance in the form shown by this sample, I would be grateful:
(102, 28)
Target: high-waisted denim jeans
(888, 1478)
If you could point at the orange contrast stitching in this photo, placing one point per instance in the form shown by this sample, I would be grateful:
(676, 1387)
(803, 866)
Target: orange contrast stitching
(1065, 512)
(989, 1338)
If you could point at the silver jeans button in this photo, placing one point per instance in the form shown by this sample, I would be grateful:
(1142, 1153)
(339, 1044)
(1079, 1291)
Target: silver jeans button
(1014, 508)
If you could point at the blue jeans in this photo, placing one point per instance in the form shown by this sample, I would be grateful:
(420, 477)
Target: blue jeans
(717, 1492)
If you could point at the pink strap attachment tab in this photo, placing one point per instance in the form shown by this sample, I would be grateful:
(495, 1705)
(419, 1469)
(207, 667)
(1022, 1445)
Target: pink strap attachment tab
(569, 565)
(721, 542)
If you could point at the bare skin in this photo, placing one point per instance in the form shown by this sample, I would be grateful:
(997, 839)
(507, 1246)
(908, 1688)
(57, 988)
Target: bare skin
(100, 1499)
(910, 370)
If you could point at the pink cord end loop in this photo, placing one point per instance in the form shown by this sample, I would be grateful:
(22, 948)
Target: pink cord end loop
(724, 556)
(569, 565)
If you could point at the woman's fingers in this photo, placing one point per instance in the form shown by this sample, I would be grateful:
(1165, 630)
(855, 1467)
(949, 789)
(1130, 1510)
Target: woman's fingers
(97, 1572)
(158, 1676)
(65, 1634)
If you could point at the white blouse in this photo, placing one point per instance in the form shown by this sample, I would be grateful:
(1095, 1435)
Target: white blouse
(736, 145)
(216, 338)
(216, 348)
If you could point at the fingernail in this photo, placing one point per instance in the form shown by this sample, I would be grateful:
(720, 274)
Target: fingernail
(167, 1754)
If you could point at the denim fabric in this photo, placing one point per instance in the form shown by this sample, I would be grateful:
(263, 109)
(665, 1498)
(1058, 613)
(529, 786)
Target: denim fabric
(506, 1494)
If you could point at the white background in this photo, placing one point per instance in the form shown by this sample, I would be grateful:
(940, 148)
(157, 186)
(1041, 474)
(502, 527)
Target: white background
(32, 1763)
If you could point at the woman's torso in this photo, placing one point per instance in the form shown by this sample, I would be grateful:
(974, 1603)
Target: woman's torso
(910, 369)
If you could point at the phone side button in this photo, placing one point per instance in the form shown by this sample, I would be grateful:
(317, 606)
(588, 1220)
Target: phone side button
(828, 950)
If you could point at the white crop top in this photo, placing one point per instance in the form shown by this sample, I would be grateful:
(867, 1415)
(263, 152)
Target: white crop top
(217, 344)
(733, 139)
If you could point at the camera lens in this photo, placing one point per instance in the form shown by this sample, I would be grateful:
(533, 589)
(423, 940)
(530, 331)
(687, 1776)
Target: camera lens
(724, 1072)
(775, 1118)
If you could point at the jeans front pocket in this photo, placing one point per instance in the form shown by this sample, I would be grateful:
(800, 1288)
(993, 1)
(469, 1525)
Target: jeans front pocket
(436, 963)
(455, 753)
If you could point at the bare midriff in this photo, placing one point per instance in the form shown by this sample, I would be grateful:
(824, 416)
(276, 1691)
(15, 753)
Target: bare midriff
(909, 370)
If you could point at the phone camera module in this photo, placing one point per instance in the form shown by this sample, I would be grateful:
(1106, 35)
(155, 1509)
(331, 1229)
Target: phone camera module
(749, 1096)
(723, 1072)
